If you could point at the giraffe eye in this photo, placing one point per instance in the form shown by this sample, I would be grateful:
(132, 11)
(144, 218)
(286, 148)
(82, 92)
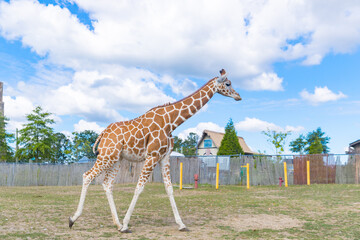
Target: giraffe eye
(228, 84)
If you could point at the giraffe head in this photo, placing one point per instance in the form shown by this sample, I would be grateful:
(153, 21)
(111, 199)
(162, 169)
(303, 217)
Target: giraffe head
(223, 86)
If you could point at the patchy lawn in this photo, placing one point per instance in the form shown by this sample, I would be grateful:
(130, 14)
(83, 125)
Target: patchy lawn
(232, 212)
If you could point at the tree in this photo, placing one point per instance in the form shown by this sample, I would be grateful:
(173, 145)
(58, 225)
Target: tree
(230, 143)
(62, 147)
(178, 144)
(37, 138)
(317, 134)
(277, 139)
(6, 152)
(189, 144)
(316, 147)
(298, 145)
(83, 143)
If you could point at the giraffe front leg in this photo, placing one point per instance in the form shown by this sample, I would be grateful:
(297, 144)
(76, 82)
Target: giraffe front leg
(144, 177)
(165, 170)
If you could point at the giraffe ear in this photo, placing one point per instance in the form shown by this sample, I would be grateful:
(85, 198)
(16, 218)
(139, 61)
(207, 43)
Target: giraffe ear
(223, 76)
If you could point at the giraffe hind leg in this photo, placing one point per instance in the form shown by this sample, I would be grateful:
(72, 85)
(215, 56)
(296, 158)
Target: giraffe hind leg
(165, 170)
(101, 164)
(108, 187)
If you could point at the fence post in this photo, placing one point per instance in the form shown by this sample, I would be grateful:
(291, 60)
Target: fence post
(308, 172)
(247, 166)
(181, 174)
(217, 176)
(248, 175)
(357, 169)
(285, 175)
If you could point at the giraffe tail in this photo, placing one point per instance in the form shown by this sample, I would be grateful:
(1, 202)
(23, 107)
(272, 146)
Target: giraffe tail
(96, 152)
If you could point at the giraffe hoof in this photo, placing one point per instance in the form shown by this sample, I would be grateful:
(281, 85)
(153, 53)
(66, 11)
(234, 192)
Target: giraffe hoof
(126, 231)
(71, 222)
(184, 229)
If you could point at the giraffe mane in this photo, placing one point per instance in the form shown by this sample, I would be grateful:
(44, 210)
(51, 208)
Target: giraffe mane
(168, 104)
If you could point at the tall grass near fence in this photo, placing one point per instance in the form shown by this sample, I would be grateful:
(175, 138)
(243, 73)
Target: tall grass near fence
(264, 170)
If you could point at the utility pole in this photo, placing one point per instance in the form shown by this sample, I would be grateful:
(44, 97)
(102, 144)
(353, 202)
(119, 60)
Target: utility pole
(1, 99)
(17, 145)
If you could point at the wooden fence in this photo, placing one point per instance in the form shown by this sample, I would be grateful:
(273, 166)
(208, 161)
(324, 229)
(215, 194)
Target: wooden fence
(264, 170)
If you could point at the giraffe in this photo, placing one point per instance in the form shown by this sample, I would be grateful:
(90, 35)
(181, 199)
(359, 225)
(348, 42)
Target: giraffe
(147, 138)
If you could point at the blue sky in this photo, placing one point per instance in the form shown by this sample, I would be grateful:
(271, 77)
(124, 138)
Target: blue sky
(95, 62)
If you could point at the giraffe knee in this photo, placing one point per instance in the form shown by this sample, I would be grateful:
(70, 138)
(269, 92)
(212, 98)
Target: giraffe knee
(87, 178)
(108, 185)
(169, 188)
(107, 188)
(139, 189)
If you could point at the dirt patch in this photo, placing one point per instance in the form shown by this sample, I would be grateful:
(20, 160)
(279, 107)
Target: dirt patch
(216, 229)
(354, 207)
(270, 197)
(246, 222)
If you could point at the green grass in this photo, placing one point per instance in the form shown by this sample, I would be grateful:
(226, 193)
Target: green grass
(232, 212)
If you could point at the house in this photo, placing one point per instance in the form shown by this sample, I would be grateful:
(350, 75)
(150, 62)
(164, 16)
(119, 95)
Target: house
(176, 154)
(354, 147)
(84, 159)
(210, 142)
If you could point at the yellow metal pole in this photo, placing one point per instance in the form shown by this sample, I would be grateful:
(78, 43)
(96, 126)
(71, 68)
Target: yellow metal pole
(217, 176)
(248, 176)
(285, 174)
(308, 172)
(181, 174)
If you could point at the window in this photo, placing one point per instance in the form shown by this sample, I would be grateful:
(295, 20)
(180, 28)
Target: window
(207, 143)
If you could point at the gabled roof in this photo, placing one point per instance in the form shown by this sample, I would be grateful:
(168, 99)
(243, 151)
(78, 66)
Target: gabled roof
(354, 143)
(217, 137)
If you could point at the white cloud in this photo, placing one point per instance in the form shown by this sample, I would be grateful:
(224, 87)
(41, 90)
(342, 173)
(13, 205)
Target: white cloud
(187, 37)
(321, 95)
(182, 87)
(200, 128)
(166, 41)
(83, 125)
(265, 81)
(99, 95)
(68, 134)
(257, 125)
(15, 109)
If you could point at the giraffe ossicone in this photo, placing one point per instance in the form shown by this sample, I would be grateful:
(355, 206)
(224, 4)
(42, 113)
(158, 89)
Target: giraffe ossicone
(147, 138)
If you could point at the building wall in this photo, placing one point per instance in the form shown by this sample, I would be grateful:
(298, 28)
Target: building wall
(206, 151)
(357, 148)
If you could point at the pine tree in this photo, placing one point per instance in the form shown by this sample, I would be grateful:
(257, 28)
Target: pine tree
(230, 143)
(316, 147)
(320, 135)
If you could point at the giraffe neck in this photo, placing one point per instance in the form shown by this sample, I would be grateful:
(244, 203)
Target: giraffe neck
(183, 109)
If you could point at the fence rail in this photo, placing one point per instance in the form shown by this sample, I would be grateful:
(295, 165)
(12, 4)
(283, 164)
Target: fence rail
(264, 170)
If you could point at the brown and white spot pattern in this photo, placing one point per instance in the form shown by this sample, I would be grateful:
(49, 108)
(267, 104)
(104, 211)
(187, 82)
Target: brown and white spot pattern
(147, 138)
